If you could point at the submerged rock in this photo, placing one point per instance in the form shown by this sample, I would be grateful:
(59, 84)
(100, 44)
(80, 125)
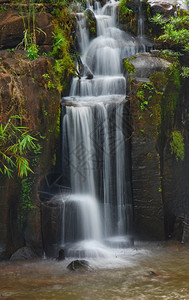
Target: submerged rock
(152, 273)
(78, 265)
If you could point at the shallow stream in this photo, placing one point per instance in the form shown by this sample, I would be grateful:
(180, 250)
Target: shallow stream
(146, 271)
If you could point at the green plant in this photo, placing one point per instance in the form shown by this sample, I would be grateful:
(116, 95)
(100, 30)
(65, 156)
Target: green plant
(177, 145)
(48, 81)
(29, 40)
(62, 43)
(185, 72)
(33, 50)
(3, 8)
(140, 95)
(175, 30)
(15, 143)
(144, 95)
(129, 66)
(124, 11)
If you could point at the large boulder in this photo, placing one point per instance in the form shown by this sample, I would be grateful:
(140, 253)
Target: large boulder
(23, 253)
(167, 7)
(146, 64)
(162, 7)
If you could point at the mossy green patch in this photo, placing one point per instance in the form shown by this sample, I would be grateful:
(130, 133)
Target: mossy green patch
(177, 145)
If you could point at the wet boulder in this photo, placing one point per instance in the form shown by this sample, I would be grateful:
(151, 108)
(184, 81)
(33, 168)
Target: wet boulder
(167, 7)
(79, 265)
(146, 64)
(162, 7)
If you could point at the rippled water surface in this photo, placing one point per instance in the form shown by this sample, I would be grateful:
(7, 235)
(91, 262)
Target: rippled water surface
(147, 271)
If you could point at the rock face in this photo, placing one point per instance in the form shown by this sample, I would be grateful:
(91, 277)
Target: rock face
(160, 180)
(51, 216)
(12, 28)
(146, 103)
(24, 91)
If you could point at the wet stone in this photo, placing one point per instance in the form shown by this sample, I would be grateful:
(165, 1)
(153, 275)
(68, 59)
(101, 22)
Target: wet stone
(79, 265)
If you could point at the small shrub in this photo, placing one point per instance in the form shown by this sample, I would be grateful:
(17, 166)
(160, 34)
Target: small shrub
(129, 66)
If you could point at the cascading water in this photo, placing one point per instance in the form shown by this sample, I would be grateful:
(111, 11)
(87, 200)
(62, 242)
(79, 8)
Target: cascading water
(96, 141)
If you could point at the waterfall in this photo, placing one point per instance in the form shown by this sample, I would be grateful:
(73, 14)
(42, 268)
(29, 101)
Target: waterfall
(98, 212)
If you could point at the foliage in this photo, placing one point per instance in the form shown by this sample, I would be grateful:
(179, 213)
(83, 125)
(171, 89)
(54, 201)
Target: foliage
(15, 143)
(124, 10)
(63, 41)
(33, 50)
(48, 82)
(144, 95)
(29, 39)
(129, 66)
(3, 8)
(158, 19)
(169, 55)
(174, 72)
(185, 72)
(177, 145)
(175, 30)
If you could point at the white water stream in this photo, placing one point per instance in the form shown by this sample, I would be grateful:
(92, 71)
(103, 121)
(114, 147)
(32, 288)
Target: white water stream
(96, 134)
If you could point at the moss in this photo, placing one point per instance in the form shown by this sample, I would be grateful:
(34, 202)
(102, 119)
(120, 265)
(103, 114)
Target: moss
(25, 204)
(157, 101)
(177, 145)
(148, 11)
(63, 46)
(171, 94)
(159, 81)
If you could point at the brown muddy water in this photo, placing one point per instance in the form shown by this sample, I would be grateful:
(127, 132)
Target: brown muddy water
(147, 271)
